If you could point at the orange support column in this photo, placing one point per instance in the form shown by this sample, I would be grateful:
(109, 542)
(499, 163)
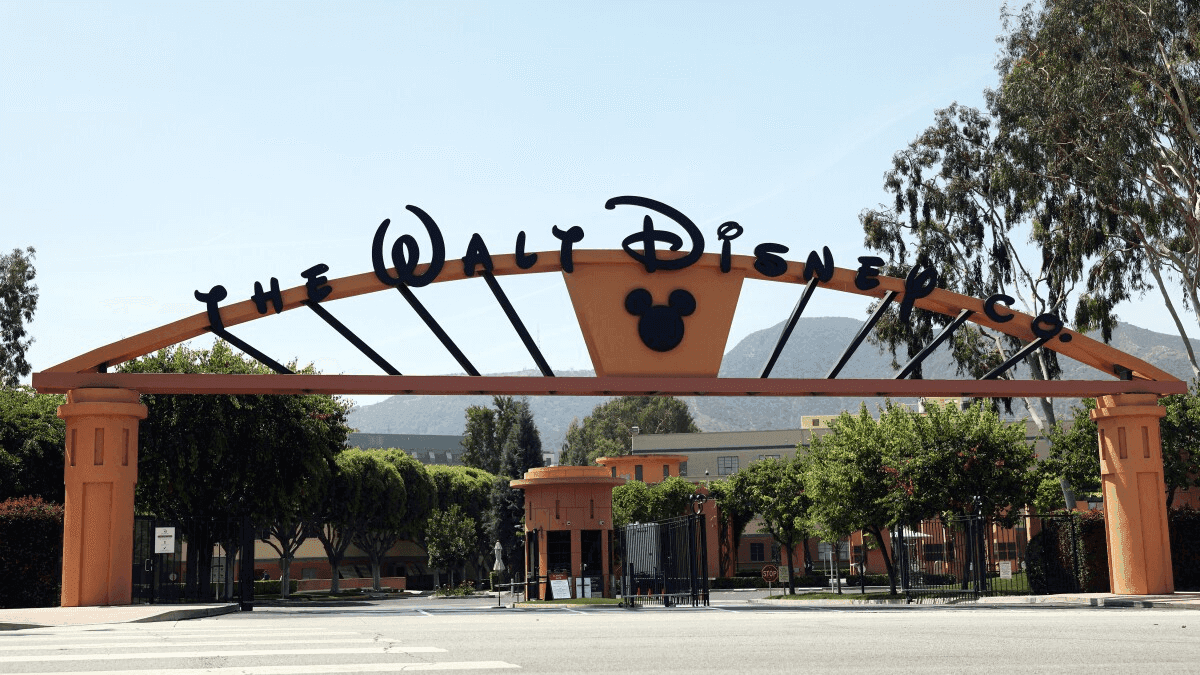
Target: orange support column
(1135, 506)
(100, 472)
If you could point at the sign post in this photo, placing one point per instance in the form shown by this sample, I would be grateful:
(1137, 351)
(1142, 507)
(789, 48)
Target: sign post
(770, 574)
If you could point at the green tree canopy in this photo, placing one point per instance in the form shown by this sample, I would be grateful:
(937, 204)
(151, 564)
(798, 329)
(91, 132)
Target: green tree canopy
(607, 432)
(848, 482)
(222, 456)
(1103, 96)
(213, 457)
(452, 539)
(965, 211)
(32, 438)
(775, 490)
(1180, 442)
(377, 503)
(470, 489)
(637, 502)
(18, 301)
(944, 459)
(509, 427)
(1074, 456)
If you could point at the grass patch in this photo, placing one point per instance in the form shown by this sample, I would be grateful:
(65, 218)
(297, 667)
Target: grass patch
(573, 601)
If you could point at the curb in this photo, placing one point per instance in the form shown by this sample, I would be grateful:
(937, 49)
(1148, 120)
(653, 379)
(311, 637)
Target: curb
(996, 603)
(182, 614)
(190, 613)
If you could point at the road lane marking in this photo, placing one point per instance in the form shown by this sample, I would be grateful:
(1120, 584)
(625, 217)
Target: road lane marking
(159, 644)
(211, 653)
(315, 670)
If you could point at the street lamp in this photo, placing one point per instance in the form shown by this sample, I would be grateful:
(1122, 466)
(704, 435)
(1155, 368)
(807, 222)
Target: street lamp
(498, 567)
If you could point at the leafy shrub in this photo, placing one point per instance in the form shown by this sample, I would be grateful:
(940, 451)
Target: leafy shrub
(1184, 525)
(1053, 566)
(463, 589)
(271, 586)
(31, 553)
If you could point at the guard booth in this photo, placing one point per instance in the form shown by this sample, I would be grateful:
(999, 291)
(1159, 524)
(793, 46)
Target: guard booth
(568, 531)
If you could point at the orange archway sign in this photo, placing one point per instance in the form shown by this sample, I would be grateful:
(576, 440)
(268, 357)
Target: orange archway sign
(655, 322)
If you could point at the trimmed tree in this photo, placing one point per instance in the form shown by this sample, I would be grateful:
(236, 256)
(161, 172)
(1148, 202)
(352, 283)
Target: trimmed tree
(848, 483)
(607, 432)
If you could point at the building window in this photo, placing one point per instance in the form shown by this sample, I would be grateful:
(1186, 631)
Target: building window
(614, 469)
(637, 472)
(757, 554)
(1006, 550)
(727, 466)
(939, 552)
(824, 549)
(666, 470)
(683, 468)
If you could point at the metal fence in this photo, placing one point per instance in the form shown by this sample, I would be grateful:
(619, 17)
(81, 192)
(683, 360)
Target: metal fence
(204, 563)
(972, 557)
(663, 563)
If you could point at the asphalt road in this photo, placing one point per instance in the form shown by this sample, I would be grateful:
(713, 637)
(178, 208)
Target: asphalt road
(732, 636)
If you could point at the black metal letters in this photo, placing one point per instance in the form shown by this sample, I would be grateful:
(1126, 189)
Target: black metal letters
(648, 236)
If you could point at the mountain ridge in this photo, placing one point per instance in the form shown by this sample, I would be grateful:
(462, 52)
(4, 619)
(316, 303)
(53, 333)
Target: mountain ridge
(809, 354)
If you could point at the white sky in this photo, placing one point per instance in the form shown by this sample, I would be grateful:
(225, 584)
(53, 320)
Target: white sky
(151, 149)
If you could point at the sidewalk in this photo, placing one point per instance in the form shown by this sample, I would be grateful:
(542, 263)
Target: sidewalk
(1175, 601)
(42, 617)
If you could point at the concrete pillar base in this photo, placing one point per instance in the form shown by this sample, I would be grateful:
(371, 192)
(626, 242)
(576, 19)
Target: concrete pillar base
(100, 472)
(1135, 506)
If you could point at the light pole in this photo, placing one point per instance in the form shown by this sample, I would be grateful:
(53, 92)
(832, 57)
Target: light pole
(498, 567)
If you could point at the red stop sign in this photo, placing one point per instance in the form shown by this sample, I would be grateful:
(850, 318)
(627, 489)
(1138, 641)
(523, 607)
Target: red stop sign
(770, 573)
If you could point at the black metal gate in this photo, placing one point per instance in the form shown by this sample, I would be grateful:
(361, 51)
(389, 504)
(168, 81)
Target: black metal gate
(663, 563)
(196, 568)
(970, 557)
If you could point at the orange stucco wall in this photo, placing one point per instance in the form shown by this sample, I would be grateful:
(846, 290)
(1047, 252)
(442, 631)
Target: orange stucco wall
(571, 499)
(100, 472)
(653, 466)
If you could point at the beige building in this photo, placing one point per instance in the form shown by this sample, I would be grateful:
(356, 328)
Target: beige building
(718, 454)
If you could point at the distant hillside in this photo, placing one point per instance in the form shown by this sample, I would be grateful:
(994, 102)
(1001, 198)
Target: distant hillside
(810, 353)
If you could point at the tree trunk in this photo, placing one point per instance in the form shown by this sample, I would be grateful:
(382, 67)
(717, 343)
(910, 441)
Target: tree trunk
(375, 564)
(285, 576)
(877, 533)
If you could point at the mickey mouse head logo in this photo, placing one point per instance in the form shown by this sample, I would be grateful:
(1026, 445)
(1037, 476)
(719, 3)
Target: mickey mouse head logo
(661, 326)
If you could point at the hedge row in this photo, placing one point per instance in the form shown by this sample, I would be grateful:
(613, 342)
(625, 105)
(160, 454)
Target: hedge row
(31, 532)
(1185, 548)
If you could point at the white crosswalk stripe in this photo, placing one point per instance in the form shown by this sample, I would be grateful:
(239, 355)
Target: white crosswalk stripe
(219, 651)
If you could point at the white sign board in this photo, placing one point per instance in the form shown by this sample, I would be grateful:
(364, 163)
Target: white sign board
(164, 540)
(1005, 569)
(560, 588)
(783, 574)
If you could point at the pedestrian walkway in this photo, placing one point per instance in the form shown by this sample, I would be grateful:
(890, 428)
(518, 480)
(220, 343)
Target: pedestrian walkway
(248, 646)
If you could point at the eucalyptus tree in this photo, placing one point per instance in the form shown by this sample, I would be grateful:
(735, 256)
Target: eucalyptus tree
(1104, 97)
(18, 301)
(965, 211)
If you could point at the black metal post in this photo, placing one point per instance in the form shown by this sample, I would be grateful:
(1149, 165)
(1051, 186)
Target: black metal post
(246, 569)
